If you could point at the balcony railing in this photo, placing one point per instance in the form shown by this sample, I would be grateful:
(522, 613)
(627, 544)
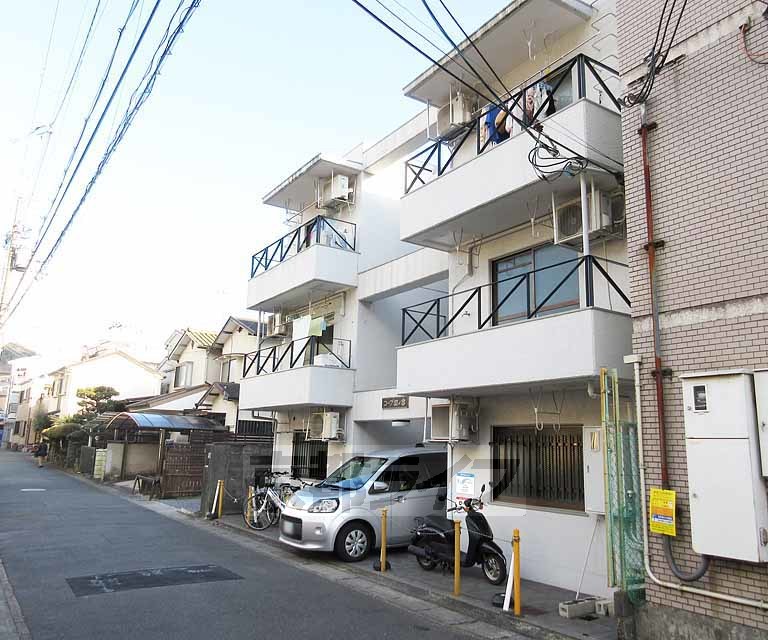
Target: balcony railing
(520, 297)
(436, 158)
(309, 351)
(329, 232)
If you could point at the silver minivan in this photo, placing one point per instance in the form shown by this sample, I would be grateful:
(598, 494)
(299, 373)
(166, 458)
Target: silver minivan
(343, 512)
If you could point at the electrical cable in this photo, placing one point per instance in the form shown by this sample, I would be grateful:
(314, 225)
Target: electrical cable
(47, 219)
(754, 56)
(162, 52)
(421, 35)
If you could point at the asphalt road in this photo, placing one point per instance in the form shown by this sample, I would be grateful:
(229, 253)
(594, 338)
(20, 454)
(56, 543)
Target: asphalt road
(73, 529)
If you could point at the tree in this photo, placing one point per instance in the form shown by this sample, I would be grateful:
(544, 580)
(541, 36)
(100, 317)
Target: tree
(96, 400)
(41, 420)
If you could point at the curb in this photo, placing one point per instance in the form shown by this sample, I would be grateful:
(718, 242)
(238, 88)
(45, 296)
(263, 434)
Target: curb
(12, 625)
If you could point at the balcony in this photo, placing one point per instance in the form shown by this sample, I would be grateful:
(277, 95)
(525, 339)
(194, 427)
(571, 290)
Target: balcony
(551, 325)
(317, 258)
(306, 372)
(468, 185)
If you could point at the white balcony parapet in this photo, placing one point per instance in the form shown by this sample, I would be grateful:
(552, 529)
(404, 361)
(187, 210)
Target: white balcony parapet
(317, 257)
(474, 186)
(416, 269)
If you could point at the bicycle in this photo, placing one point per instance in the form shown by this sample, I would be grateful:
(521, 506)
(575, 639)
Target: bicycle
(265, 506)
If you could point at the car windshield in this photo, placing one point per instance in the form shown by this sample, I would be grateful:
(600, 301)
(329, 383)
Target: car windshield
(354, 473)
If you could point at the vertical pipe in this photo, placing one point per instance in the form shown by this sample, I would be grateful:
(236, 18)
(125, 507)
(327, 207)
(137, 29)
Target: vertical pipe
(584, 213)
(249, 508)
(221, 499)
(456, 558)
(651, 250)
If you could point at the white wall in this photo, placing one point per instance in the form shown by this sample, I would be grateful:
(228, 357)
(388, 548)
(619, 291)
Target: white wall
(130, 379)
(554, 542)
(205, 368)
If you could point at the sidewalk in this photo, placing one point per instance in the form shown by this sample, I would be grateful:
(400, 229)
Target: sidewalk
(540, 617)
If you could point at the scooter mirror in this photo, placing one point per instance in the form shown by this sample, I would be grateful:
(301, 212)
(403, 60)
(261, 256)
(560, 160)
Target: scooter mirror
(482, 490)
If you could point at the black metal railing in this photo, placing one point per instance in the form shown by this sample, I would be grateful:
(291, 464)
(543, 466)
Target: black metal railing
(330, 232)
(312, 350)
(434, 318)
(437, 157)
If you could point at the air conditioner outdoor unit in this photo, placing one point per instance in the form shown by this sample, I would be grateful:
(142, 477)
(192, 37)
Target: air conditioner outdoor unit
(276, 327)
(334, 191)
(454, 116)
(567, 218)
(456, 422)
(331, 422)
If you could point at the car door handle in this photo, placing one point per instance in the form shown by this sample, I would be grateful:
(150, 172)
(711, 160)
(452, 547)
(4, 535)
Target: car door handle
(400, 499)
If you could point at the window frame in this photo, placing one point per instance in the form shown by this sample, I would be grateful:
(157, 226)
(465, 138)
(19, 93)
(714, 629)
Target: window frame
(549, 308)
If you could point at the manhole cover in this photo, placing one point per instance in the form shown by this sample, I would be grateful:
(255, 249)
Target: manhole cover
(148, 578)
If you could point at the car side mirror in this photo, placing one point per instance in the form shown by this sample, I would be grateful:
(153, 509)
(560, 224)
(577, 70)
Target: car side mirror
(380, 487)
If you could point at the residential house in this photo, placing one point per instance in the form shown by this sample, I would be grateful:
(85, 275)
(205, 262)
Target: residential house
(334, 285)
(238, 337)
(32, 399)
(537, 295)
(22, 369)
(187, 370)
(708, 304)
(130, 377)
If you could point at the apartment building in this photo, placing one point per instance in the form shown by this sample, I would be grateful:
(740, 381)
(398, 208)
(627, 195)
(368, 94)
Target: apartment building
(334, 286)
(706, 128)
(509, 359)
(32, 394)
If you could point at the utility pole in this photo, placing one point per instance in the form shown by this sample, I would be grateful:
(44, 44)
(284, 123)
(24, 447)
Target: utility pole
(10, 263)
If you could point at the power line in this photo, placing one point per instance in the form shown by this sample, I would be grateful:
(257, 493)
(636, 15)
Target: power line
(148, 80)
(47, 219)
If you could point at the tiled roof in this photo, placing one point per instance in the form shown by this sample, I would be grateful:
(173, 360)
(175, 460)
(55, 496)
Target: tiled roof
(202, 338)
(248, 325)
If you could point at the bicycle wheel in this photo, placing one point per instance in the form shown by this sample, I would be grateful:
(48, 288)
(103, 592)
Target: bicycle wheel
(259, 512)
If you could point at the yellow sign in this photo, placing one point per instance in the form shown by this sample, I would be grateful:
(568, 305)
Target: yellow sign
(663, 512)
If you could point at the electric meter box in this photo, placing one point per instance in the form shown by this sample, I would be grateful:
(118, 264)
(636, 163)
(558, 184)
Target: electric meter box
(761, 395)
(728, 502)
(594, 478)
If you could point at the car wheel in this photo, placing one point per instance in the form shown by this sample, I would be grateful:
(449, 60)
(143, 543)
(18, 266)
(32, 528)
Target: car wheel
(353, 542)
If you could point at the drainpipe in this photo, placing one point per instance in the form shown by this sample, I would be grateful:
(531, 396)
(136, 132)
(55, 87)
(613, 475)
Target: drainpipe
(658, 373)
(759, 604)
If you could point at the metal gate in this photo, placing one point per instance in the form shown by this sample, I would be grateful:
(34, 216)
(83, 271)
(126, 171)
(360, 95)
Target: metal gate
(623, 518)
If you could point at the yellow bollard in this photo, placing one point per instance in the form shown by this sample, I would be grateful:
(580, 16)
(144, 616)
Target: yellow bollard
(249, 507)
(221, 498)
(516, 570)
(383, 540)
(456, 558)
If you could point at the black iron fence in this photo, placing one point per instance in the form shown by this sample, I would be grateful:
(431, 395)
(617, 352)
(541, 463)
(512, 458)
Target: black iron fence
(519, 297)
(329, 232)
(309, 458)
(437, 157)
(312, 350)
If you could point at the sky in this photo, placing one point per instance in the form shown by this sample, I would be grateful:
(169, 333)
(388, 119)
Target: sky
(252, 90)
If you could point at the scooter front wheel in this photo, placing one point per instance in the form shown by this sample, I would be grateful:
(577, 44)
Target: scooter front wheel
(494, 568)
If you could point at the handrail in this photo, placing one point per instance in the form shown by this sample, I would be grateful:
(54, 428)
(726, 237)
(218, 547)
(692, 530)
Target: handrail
(431, 310)
(341, 233)
(297, 353)
(417, 165)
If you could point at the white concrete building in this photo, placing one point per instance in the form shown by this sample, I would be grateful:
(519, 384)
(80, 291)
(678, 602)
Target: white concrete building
(334, 286)
(537, 296)
(438, 268)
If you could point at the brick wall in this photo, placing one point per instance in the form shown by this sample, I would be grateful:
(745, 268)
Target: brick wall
(710, 192)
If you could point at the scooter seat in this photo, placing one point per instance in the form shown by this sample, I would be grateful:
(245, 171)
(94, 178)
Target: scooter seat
(439, 522)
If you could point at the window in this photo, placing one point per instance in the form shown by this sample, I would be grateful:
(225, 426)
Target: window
(309, 458)
(544, 264)
(354, 473)
(226, 367)
(433, 471)
(182, 376)
(541, 468)
(402, 474)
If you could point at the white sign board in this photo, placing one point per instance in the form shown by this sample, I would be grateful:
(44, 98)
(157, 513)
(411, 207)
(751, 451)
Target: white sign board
(464, 485)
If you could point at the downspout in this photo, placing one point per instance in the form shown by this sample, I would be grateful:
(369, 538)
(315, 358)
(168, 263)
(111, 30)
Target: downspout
(658, 374)
(759, 604)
